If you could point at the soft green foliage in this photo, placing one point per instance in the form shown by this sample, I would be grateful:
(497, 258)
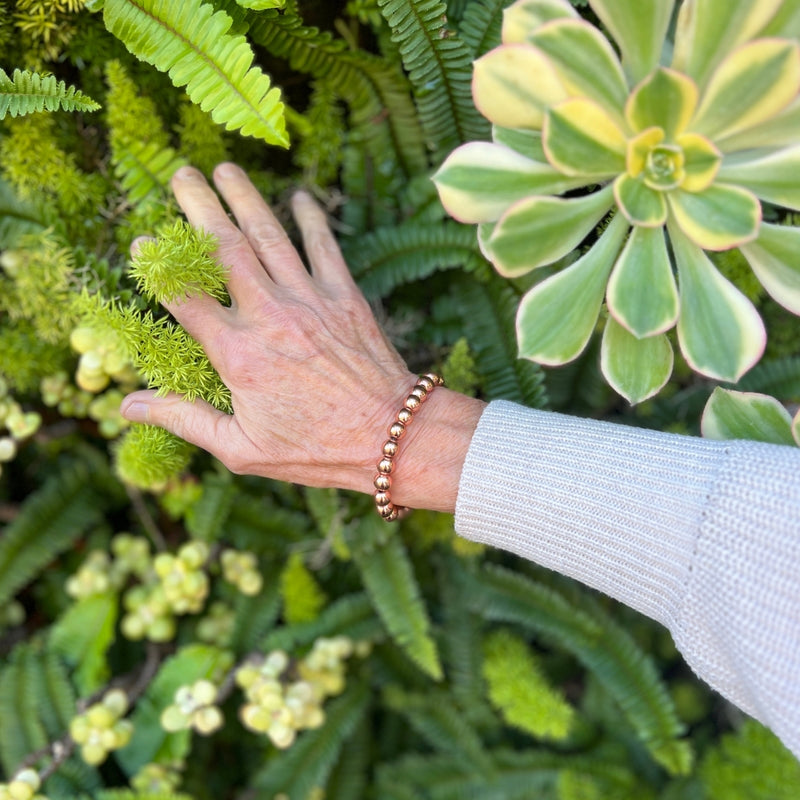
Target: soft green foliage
(393, 662)
(26, 92)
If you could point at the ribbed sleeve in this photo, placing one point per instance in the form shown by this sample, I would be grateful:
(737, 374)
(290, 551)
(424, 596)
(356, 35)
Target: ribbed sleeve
(702, 536)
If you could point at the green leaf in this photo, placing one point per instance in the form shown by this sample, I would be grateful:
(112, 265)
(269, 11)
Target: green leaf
(28, 92)
(778, 131)
(639, 30)
(145, 169)
(540, 230)
(82, 637)
(526, 143)
(190, 41)
(717, 218)
(642, 294)
(581, 139)
(388, 576)
(785, 23)
(772, 177)
(746, 415)
(514, 84)
(641, 205)
(753, 84)
(523, 17)
(635, 368)
(773, 258)
(708, 30)
(665, 99)
(557, 317)
(480, 180)
(260, 5)
(720, 332)
(586, 63)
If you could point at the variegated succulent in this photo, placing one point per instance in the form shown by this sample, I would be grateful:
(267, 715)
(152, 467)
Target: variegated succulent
(673, 142)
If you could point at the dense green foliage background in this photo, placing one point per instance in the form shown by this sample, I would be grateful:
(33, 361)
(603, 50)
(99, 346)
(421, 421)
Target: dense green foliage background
(478, 675)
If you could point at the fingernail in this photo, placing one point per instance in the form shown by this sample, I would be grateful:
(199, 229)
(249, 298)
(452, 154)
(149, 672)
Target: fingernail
(135, 411)
(187, 173)
(228, 170)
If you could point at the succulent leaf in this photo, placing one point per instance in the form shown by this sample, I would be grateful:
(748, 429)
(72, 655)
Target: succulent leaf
(479, 181)
(639, 203)
(746, 415)
(773, 177)
(513, 84)
(720, 332)
(664, 99)
(779, 131)
(773, 257)
(639, 29)
(635, 368)
(557, 317)
(642, 295)
(524, 16)
(701, 162)
(540, 230)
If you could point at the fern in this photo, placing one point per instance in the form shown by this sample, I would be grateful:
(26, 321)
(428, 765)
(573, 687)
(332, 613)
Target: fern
(440, 70)
(28, 92)
(50, 521)
(391, 256)
(388, 576)
(206, 518)
(488, 311)
(378, 95)
(17, 218)
(308, 763)
(348, 779)
(480, 27)
(780, 378)
(605, 648)
(191, 42)
(144, 169)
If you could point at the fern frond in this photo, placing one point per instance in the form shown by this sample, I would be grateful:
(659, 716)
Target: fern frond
(348, 779)
(206, 518)
(779, 378)
(377, 93)
(49, 522)
(255, 616)
(307, 764)
(191, 42)
(144, 169)
(388, 576)
(17, 218)
(488, 311)
(603, 646)
(440, 70)
(481, 25)
(27, 92)
(392, 256)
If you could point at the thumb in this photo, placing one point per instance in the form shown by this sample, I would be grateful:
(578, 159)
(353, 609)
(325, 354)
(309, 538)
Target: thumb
(196, 422)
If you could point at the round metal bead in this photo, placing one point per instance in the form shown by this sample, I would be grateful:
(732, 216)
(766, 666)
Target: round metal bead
(387, 511)
(390, 448)
(421, 392)
(382, 483)
(393, 516)
(426, 383)
(382, 498)
(385, 466)
(396, 430)
(404, 415)
(412, 403)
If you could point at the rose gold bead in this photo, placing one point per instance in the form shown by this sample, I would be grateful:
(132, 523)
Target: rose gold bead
(382, 483)
(404, 415)
(385, 466)
(438, 380)
(421, 392)
(393, 516)
(396, 430)
(382, 498)
(387, 511)
(426, 382)
(412, 403)
(390, 448)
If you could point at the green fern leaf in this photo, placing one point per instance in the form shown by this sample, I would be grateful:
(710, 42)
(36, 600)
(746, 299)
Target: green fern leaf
(145, 168)
(440, 70)
(348, 780)
(388, 575)
(260, 5)
(191, 41)
(392, 256)
(206, 518)
(488, 310)
(780, 378)
(28, 92)
(308, 763)
(481, 25)
(17, 218)
(50, 520)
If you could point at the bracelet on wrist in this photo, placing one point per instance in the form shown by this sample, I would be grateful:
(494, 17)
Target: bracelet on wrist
(383, 480)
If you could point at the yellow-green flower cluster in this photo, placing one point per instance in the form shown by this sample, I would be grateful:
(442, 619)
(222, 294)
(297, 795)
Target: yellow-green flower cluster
(194, 708)
(102, 357)
(183, 578)
(240, 568)
(101, 728)
(20, 424)
(23, 786)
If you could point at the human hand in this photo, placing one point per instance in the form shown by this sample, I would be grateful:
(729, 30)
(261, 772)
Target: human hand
(314, 382)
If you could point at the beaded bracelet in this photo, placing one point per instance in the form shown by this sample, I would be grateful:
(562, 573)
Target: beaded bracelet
(383, 480)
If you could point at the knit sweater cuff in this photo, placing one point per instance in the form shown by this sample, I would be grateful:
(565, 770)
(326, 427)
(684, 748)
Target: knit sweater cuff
(557, 490)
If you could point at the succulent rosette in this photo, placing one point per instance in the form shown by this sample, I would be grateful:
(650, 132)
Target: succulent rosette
(671, 144)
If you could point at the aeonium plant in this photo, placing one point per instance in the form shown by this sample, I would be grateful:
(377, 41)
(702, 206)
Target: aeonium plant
(671, 147)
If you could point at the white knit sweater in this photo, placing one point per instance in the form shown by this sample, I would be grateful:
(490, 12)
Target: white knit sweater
(703, 536)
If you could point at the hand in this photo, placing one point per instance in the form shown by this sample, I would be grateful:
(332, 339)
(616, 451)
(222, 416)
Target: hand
(314, 381)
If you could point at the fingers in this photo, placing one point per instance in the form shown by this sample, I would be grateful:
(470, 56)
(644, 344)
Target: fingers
(324, 255)
(204, 210)
(198, 423)
(263, 231)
